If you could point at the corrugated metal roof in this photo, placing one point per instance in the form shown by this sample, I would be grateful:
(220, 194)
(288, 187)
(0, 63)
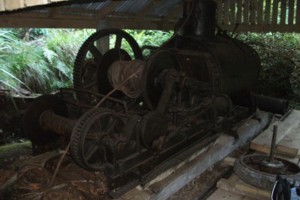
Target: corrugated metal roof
(132, 14)
(146, 14)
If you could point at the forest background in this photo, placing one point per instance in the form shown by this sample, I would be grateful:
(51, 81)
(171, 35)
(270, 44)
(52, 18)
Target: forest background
(41, 60)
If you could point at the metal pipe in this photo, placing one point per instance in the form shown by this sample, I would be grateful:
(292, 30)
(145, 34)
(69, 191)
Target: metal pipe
(58, 124)
(273, 144)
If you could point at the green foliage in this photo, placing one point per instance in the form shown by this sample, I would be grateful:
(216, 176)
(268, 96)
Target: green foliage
(41, 63)
(150, 38)
(279, 53)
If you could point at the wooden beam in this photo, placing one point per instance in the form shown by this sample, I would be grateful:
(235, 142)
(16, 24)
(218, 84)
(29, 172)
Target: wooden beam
(171, 15)
(15, 22)
(146, 9)
(107, 9)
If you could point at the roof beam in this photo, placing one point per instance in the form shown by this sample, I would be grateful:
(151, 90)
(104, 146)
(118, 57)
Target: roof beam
(28, 22)
(146, 9)
(109, 8)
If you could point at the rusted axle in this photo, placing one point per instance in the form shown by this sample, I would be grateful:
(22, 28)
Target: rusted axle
(56, 123)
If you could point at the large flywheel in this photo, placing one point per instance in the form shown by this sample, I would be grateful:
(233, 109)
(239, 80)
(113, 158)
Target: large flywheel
(91, 63)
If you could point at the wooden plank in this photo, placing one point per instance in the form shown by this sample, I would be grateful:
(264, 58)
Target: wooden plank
(267, 12)
(260, 12)
(239, 12)
(2, 5)
(275, 12)
(262, 143)
(283, 12)
(291, 143)
(235, 185)
(246, 12)
(291, 12)
(220, 194)
(35, 2)
(170, 181)
(232, 11)
(13, 5)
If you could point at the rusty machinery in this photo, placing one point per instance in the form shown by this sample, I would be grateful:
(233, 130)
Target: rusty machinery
(132, 114)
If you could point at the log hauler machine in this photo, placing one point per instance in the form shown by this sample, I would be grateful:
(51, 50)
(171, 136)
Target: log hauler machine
(127, 115)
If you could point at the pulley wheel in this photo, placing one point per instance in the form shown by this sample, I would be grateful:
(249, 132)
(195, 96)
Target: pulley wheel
(90, 59)
(151, 86)
(87, 141)
(252, 169)
(31, 120)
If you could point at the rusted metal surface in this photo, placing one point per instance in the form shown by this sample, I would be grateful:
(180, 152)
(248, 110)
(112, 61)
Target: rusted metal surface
(129, 116)
(119, 71)
(252, 170)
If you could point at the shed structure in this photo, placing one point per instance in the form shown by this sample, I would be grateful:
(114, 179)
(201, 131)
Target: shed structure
(239, 15)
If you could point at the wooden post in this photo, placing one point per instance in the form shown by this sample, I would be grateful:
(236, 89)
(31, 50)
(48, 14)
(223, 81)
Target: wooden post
(226, 12)
(283, 12)
(298, 12)
(239, 12)
(259, 12)
(232, 12)
(275, 12)
(291, 12)
(220, 11)
(253, 8)
(267, 12)
(103, 44)
(246, 12)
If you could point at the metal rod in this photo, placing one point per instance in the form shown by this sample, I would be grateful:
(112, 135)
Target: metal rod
(273, 144)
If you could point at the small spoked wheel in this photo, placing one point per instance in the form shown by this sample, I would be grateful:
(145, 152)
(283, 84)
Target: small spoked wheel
(92, 61)
(257, 170)
(86, 145)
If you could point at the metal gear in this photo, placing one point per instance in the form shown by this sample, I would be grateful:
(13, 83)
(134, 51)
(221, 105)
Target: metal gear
(151, 87)
(89, 58)
(91, 130)
(252, 169)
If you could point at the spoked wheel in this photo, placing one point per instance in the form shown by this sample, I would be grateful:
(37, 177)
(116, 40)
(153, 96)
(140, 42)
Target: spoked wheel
(87, 141)
(256, 170)
(91, 61)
